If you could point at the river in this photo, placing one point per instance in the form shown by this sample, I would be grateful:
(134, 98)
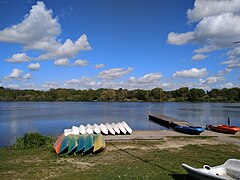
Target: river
(17, 118)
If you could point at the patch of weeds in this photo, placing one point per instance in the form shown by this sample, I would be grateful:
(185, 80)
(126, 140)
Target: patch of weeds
(32, 140)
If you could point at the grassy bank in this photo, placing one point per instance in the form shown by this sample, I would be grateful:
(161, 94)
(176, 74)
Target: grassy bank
(121, 160)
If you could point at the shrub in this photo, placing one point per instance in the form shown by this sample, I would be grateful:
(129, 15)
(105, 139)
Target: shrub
(32, 140)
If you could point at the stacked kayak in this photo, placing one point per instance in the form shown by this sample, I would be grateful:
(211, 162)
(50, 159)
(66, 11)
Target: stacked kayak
(79, 144)
(224, 129)
(105, 129)
(193, 130)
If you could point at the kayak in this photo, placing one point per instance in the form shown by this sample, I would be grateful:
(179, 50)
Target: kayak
(223, 129)
(88, 143)
(58, 142)
(73, 143)
(64, 144)
(229, 170)
(125, 125)
(103, 128)
(99, 143)
(81, 143)
(193, 130)
(110, 129)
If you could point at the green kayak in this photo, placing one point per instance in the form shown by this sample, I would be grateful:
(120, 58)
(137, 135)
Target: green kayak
(88, 143)
(99, 143)
(73, 143)
(64, 144)
(81, 143)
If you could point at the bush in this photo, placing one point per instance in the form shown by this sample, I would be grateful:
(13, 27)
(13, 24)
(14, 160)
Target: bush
(33, 140)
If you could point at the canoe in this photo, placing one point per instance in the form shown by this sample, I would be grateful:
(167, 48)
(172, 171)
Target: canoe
(229, 170)
(223, 129)
(89, 129)
(72, 146)
(57, 144)
(110, 129)
(75, 130)
(115, 128)
(82, 129)
(103, 128)
(99, 143)
(64, 144)
(194, 130)
(96, 129)
(88, 143)
(81, 143)
(125, 125)
(67, 132)
(122, 129)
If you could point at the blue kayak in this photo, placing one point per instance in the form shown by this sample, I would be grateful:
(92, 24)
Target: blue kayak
(194, 130)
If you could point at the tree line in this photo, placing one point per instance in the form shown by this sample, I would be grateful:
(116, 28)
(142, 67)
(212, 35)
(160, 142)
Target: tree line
(183, 94)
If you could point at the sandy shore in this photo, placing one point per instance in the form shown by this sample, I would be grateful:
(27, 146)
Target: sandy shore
(163, 134)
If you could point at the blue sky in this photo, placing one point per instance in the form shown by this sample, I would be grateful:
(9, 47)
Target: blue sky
(119, 44)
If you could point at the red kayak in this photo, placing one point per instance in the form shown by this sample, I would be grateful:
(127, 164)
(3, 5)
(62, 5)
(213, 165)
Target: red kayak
(224, 129)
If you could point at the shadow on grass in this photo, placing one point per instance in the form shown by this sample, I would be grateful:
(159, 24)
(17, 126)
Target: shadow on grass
(143, 160)
(181, 177)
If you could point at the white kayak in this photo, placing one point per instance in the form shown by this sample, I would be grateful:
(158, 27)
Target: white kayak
(96, 129)
(103, 129)
(125, 125)
(75, 130)
(115, 128)
(110, 129)
(229, 170)
(122, 129)
(82, 129)
(67, 132)
(89, 129)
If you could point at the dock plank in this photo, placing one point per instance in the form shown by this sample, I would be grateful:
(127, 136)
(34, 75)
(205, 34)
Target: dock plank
(167, 120)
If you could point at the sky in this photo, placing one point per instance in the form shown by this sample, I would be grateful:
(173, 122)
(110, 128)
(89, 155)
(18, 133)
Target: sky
(132, 44)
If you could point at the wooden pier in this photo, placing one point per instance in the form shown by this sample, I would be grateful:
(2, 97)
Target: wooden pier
(167, 121)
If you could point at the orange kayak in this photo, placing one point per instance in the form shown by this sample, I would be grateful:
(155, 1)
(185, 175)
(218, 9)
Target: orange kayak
(224, 129)
(57, 144)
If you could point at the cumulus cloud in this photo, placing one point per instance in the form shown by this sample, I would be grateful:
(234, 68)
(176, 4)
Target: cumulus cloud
(15, 73)
(99, 66)
(147, 78)
(61, 62)
(203, 8)
(199, 57)
(34, 66)
(216, 28)
(83, 82)
(50, 85)
(211, 80)
(114, 73)
(39, 31)
(18, 58)
(80, 63)
(192, 73)
(27, 76)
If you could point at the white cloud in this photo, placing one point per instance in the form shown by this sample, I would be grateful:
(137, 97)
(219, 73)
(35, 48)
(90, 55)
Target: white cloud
(38, 26)
(99, 66)
(61, 62)
(192, 73)
(50, 85)
(39, 31)
(211, 80)
(203, 8)
(18, 58)
(216, 28)
(15, 73)
(147, 78)
(27, 76)
(114, 73)
(199, 57)
(80, 63)
(83, 83)
(34, 66)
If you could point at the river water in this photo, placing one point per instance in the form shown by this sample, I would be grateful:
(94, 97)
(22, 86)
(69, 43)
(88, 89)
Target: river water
(17, 118)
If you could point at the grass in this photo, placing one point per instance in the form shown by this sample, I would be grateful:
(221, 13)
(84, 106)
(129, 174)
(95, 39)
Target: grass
(121, 160)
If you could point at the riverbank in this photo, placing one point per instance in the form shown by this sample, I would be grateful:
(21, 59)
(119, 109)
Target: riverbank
(142, 155)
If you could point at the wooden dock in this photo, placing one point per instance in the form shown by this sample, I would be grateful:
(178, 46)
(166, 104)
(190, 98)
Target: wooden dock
(167, 121)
